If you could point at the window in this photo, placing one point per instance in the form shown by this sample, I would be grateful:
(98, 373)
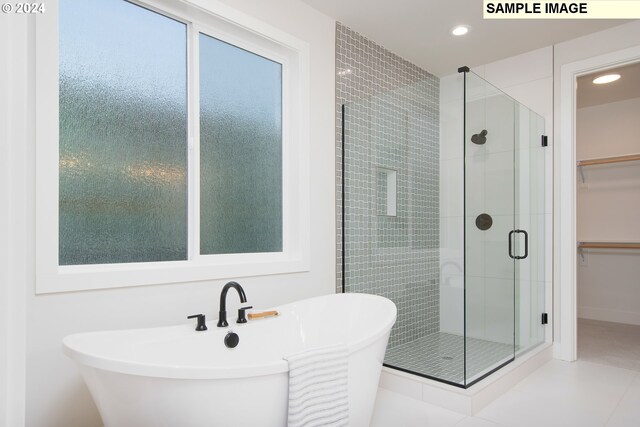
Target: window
(240, 150)
(181, 146)
(123, 134)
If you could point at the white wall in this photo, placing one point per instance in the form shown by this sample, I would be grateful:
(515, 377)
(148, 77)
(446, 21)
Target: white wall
(4, 224)
(592, 45)
(55, 393)
(608, 208)
(528, 79)
(14, 133)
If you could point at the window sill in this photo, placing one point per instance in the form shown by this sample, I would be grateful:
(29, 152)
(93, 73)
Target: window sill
(106, 276)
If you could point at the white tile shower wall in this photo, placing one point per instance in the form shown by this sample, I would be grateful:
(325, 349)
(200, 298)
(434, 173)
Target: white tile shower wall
(528, 79)
(391, 124)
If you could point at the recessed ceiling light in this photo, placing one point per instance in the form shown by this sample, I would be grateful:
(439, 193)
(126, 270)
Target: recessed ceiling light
(460, 30)
(607, 78)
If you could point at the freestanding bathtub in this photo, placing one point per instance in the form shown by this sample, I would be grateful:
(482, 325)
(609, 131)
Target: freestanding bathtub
(177, 377)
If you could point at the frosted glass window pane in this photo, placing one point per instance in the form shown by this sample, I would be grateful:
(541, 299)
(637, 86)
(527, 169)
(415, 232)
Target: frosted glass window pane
(240, 150)
(123, 132)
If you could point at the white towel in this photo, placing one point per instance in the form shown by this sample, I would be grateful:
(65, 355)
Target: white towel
(318, 394)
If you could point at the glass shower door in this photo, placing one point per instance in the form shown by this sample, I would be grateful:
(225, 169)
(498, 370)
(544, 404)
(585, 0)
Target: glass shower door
(490, 233)
(531, 217)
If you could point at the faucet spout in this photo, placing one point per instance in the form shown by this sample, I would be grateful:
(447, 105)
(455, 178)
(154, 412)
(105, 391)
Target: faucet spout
(222, 317)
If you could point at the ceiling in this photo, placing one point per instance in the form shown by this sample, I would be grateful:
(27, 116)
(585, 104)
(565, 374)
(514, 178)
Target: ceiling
(627, 87)
(419, 30)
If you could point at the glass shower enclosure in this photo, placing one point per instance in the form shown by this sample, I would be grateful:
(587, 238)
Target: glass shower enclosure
(443, 213)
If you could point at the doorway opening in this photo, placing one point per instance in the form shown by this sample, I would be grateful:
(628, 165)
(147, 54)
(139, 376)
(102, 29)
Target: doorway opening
(607, 148)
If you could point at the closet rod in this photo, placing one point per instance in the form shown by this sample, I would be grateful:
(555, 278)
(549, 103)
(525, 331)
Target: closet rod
(609, 245)
(605, 160)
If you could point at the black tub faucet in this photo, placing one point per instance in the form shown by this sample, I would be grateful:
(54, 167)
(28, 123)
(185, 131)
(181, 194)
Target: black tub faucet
(222, 316)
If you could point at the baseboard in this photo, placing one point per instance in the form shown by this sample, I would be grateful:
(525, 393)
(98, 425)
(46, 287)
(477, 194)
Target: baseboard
(607, 315)
(466, 401)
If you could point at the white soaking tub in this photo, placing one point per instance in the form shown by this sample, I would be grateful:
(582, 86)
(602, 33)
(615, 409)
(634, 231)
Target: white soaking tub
(178, 377)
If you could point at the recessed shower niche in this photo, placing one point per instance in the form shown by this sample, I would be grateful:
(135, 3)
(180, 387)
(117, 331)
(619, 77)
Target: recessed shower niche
(387, 188)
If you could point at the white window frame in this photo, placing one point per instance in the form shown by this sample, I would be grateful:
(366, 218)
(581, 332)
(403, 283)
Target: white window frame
(234, 27)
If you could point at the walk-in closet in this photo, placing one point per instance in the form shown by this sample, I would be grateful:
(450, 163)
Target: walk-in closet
(608, 216)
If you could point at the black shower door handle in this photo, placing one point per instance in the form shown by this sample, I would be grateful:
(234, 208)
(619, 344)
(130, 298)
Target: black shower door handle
(526, 244)
(510, 245)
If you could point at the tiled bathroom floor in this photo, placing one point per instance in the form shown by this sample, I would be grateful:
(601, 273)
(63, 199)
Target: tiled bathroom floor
(559, 394)
(441, 355)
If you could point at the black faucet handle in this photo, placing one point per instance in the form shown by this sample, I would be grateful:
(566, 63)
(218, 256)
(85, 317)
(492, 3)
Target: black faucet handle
(202, 326)
(242, 318)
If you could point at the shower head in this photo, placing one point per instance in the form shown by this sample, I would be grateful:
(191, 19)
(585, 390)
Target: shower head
(479, 138)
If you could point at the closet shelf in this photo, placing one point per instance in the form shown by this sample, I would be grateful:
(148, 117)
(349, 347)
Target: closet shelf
(609, 245)
(606, 160)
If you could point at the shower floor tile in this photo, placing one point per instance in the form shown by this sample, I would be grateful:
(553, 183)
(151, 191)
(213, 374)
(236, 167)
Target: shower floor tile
(441, 355)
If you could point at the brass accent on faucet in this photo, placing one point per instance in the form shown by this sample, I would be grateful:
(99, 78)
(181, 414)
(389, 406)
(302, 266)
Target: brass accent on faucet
(262, 314)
